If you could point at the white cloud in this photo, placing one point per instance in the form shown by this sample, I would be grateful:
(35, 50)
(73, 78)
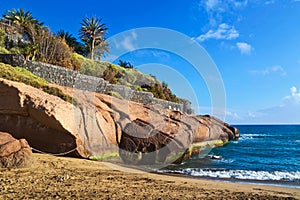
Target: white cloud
(215, 9)
(224, 32)
(160, 54)
(293, 90)
(293, 98)
(251, 114)
(277, 69)
(221, 5)
(211, 4)
(128, 42)
(217, 28)
(232, 115)
(269, 2)
(239, 4)
(286, 112)
(244, 47)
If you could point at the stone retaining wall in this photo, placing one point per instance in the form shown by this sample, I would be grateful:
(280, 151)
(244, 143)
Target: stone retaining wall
(67, 77)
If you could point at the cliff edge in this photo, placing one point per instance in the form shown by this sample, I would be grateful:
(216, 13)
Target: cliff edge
(101, 125)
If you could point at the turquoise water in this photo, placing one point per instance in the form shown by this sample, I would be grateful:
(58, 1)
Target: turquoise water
(264, 153)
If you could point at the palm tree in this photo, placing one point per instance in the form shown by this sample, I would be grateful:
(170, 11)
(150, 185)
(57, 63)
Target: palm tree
(21, 18)
(72, 42)
(91, 33)
(125, 64)
(25, 20)
(68, 37)
(30, 28)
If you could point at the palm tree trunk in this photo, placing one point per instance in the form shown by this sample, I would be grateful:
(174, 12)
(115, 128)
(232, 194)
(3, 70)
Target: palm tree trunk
(92, 48)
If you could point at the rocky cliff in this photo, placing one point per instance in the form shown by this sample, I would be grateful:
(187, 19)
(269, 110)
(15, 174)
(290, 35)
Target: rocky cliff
(101, 125)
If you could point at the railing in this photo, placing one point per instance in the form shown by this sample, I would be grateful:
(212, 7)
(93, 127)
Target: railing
(6, 22)
(9, 23)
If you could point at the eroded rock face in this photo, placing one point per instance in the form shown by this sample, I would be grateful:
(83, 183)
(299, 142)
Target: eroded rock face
(14, 153)
(54, 126)
(101, 125)
(142, 143)
(154, 135)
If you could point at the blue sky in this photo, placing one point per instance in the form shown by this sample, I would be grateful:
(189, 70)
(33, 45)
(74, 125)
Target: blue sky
(254, 44)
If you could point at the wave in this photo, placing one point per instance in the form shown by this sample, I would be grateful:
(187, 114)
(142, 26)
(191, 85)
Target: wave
(252, 136)
(220, 159)
(241, 174)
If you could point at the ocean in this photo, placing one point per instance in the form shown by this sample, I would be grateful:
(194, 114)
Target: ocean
(264, 154)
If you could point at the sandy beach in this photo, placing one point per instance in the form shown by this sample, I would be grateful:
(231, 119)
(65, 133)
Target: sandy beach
(69, 178)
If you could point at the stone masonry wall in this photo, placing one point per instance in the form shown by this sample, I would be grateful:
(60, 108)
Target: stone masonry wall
(67, 77)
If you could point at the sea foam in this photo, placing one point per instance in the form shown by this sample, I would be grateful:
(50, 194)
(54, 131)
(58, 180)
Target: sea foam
(242, 174)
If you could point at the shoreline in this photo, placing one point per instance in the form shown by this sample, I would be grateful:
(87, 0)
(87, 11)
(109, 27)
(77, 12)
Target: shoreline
(245, 186)
(274, 183)
(277, 183)
(69, 178)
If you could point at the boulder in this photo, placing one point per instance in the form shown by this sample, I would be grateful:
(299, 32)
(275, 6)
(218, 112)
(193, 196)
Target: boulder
(54, 126)
(153, 135)
(102, 125)
(14, 153)
(142, 143)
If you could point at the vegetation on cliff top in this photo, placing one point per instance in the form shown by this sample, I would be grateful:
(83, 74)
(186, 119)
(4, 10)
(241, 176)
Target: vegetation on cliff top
(36, 42)
(124, 76)
(24, 76)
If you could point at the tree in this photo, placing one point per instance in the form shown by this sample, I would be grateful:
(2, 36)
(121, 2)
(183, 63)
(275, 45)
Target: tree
(68, 37)
(125, 64)
(92, 34)
(100, 50)
(30, 26)
(52, 49)
(21, 18)
(25, 20)
(72, 42)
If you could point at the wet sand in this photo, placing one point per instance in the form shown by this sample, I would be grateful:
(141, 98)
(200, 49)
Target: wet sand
(69, 178)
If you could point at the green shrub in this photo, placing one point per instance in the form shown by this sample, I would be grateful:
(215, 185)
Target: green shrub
(131, 75)
(51, 49)
(114, 94)
(24, 76)
(77, 61)
(2, 38)
(138, 88)
(21, 75)
(3, 50)
(59, 93)
(108, 156)
(116, 68)
(113, 75)
(16, 50)
(125, 75)
(89, 67)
